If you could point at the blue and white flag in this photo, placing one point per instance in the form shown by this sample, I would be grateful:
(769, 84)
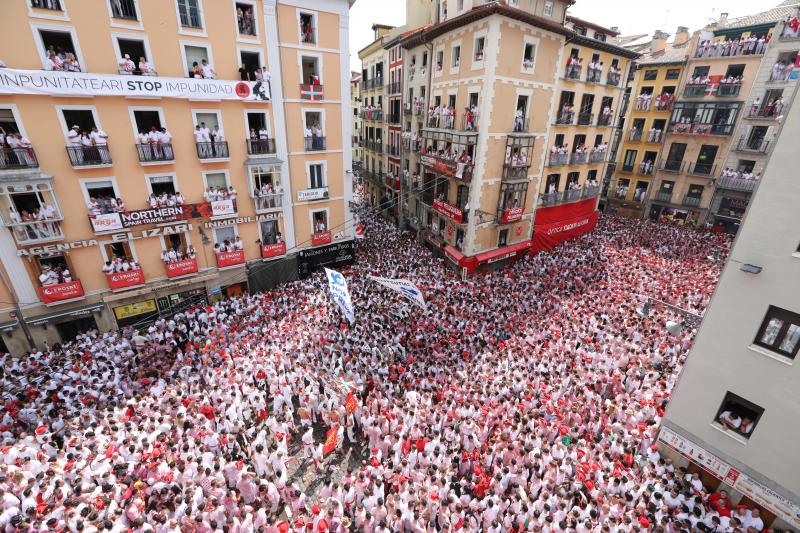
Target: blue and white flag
(340, 294)
(404, 287)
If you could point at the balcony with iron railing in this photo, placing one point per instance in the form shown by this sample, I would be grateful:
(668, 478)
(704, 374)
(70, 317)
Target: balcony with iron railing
(695, 90)
(702, 169)
(407, 109)
(613, 78)
(515, 171)
(646, 168)
(578, 158)
(572, 72)
(155, 153)
(28, 231)
(557, 160)
(371, 114)
(635, 136)
(375, 146)
(393, 150)
(569, 195)
(565, 117)
(691, 201)
(520, 126)
(373, 83)
(315, 144)
(413, 145)
(756, 145)
(763, 112)
(394, 118)
(89, 156)
(585, 119)
(448, 167)
(265, 146)
(665, 197)
(604, 120)
(212, 150)
(394, 88)
(18, 158)
(594, 76)
(664, 104)
(597, 157)
(729, 89)
(737, 184)
(266, 201)
(689, 128)
(671, 165)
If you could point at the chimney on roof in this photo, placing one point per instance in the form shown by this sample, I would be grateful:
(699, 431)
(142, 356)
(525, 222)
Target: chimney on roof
(723, 20)
(681, 35)
(659, 41)
(615, 28)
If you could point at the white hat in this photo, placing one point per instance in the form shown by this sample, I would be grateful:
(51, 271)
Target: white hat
(127, 56)
(76, 127)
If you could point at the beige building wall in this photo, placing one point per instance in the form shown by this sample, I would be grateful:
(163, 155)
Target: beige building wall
(94, 34)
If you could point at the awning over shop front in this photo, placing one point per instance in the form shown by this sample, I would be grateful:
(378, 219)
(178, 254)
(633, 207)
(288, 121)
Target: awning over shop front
(503, 253)
(72, 312)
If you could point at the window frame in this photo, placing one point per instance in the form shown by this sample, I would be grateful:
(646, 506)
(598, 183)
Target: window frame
(37, 27)
(191, 30)
(149, 184)
(217, 112)
(47, 16)
(477, 64)
(17, 118)
(314, 25)
(320, 70)
(267, 124)
(548, 8)
(85, 190)
(650, 75)
(324, 164)
(197, 44)
(224, 171)
(747, 404)
(457, 44)
(132, 112)
(116, 36)
(138, 24)
(72, 107)
(247, 38)
(672, 74)
(789, 318)
(250, 50)
(529, 41)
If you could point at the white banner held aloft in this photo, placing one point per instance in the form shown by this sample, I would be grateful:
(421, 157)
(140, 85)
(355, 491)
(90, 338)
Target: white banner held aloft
(58, 83)
(404, 287)
(340, 294)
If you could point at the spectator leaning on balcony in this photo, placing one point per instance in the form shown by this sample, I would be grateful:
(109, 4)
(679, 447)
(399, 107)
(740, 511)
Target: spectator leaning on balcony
(53, 62)
(126, 66)
(206, 70)
(145, 68)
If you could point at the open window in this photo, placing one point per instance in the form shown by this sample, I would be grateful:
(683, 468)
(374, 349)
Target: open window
(225, 235)
(147, 121)
(320, 220)
(83, 118)
(780, 332)
(102, 197)
(738, 416)
(53, 269)
(313, 131)
(246, 19)
(124, 9)
(118, 250)
(194, 55)
(439, 60)
(133, 57)
(250, 64)
(59, 49)
(311, 71)
(480, 44)
(455, 60)
(528, 56)
(30, 211)
(308, 28)
(270, 232)
(161, 185)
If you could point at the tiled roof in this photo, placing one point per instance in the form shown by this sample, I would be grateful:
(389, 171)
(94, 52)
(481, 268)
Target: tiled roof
(670, 54)
(776, 14)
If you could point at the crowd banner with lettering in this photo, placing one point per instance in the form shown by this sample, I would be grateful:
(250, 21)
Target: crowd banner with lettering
(221, 208)
(229, 259)
(273, 250)
(340, 293)
(57, 83)
(405, 287)
(158, 215)
(554, 225)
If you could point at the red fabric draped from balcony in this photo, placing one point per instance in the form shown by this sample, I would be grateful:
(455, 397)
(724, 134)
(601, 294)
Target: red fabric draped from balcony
(557, 224)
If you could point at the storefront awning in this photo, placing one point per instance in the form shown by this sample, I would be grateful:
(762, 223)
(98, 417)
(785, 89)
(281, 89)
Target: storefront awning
(261, 161)
(453, 254)
(74, 311)
(503, 253)
(8, 326)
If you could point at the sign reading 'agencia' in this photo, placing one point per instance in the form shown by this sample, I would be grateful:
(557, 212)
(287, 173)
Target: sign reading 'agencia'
(114, 237)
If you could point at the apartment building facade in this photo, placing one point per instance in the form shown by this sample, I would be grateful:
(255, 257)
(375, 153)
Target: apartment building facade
(355, 103)
(704, 117)
(771, 96)
(731, 417)
(590, 97)
(188, 181)
(653, 89)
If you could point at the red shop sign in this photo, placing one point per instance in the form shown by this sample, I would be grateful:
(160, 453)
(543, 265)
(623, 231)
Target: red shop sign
(448, 210)
(323, 237)
(511, 215)
(273, 250)
(121, 280)
(228, 259)
(61, 292)
(181, 268)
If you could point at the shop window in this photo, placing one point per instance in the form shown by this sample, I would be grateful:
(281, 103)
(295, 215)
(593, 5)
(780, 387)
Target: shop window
(780, 332)
(738, 415)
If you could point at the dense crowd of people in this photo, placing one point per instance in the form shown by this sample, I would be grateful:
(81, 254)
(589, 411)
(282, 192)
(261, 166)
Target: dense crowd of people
(527, 399)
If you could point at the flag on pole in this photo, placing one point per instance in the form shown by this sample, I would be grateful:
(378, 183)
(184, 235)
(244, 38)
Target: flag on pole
(350, 404)
(340, 294)
(404, 287)
(330, 440)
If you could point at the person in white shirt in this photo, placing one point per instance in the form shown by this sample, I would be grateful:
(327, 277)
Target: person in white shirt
(202, 139)
(100, 138)
(730, 420)
(238, 244)
(74, 139)
(145, 68)
(126, 66)
(108, 268)
(165, 141)
(220, 148)
(145, 148)
(207, 70)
